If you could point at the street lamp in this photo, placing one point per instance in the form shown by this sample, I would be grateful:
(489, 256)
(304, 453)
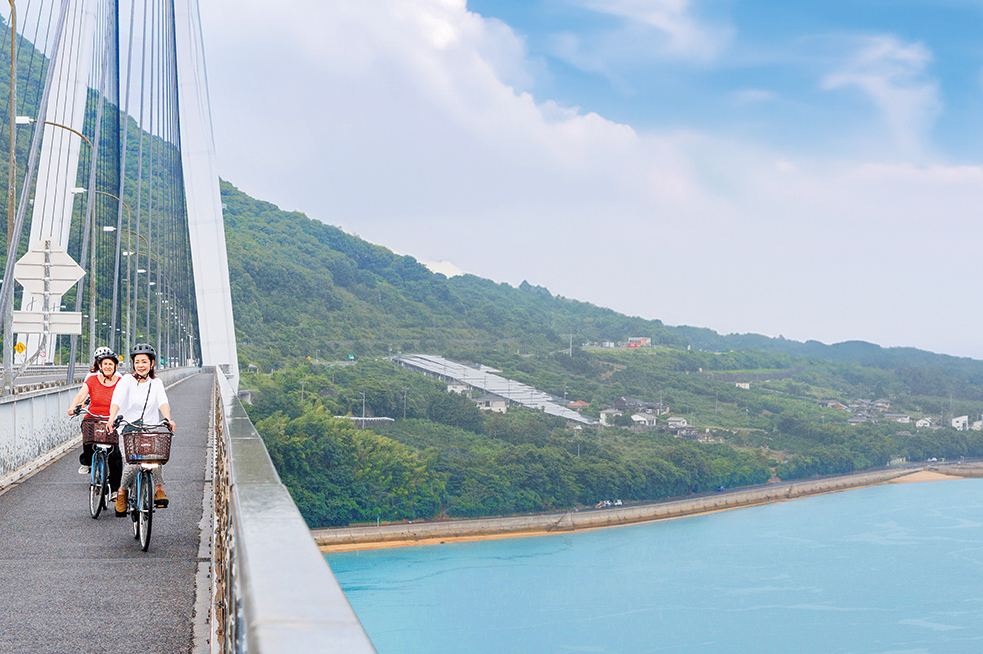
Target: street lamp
(27, 120)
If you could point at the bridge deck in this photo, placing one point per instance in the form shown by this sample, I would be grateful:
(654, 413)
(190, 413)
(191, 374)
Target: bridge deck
(69, 583)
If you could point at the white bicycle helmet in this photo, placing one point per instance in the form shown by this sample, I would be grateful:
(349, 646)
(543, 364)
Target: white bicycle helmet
(103, 353)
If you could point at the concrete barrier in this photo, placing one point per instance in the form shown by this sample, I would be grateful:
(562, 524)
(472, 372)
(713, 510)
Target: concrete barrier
(575, 520)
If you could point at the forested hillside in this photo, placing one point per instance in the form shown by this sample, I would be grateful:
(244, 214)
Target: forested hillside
(296, 280)
(326, 309)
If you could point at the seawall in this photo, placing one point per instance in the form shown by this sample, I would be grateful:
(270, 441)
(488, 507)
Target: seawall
(366, 537)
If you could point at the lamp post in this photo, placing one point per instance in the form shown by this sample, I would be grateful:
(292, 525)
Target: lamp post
(129, 220)
(8, 315)
(27, 120)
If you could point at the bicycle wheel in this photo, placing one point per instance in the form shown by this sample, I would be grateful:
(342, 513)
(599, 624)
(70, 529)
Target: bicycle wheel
(146, 505)
(133, 504)
(97, 484)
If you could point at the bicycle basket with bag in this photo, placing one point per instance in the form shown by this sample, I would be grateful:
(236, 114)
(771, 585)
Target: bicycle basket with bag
(151, 446)
(102, 435)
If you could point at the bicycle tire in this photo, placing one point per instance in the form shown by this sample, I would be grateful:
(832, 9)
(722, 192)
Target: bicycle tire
(133, 507)
(146, 509)
(97, 485)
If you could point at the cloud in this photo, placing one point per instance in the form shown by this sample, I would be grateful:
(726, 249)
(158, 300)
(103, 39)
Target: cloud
(446, 268)
(413, 124)
(646, 31)
(753, 96)
(892, 75)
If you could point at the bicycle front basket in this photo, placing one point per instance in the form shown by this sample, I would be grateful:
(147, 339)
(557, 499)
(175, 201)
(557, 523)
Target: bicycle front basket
(147, 446)
(102, 435)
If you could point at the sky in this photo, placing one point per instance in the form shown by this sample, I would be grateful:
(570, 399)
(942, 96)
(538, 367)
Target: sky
(805, 169)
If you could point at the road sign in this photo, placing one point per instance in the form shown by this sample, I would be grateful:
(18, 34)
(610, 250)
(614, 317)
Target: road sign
(20, 348)
(63, 271)
(59, 322)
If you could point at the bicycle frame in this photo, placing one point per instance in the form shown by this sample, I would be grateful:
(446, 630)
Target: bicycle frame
(98, 471)
(141, 490)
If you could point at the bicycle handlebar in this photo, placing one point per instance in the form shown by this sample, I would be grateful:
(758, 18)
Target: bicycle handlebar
(144, 427)
(79, 410)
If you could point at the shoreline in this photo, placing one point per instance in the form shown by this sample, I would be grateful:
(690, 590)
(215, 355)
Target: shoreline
(350, 539)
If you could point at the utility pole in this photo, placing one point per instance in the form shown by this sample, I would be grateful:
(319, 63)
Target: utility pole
(404, 404)
(8, 316)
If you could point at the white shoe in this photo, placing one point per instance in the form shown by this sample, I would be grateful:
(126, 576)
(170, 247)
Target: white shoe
(112, 496)
(83, 470)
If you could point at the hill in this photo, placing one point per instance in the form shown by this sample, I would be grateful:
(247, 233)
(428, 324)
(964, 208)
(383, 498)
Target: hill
(326, 309)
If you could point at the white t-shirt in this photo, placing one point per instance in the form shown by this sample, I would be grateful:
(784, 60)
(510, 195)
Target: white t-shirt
(131, 396)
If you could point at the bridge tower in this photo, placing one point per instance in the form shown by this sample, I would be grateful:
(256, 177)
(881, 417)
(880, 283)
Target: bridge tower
(121, 172)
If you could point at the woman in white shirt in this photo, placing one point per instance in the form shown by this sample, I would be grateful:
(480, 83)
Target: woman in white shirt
(141, 399)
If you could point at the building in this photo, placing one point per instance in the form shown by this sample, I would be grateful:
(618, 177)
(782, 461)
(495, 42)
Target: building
(457, 387)
(493, 403)
(643, 419)
(608, 416)
(834, 404)
(482, 380)
(923, 423)
(745, 385)
(902, 418)
(577, 405)
(977, 425)
(677, 422)
(961, 423)
(639, 341)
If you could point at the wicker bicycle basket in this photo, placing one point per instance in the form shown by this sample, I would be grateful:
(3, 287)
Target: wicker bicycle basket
(152, 446)
(102, 435)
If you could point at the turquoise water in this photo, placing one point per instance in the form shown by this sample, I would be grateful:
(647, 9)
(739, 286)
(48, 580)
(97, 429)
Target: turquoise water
(895, 568)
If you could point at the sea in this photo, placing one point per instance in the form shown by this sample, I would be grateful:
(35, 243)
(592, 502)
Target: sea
(892, 568)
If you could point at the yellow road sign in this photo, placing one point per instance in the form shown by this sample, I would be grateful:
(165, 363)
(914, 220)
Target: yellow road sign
(20, 348)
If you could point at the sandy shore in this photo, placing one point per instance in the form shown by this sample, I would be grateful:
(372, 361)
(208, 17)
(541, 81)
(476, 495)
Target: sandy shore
(923, 475)
(458, 531)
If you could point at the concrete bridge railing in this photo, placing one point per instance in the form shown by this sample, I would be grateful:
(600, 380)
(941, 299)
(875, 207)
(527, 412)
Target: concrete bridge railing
(34, 429)
(272, 590)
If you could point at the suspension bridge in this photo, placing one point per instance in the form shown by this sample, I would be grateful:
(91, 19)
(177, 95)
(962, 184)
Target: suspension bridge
(114, 235)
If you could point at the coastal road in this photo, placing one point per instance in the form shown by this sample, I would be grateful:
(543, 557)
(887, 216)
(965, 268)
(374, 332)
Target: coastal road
(69, 583)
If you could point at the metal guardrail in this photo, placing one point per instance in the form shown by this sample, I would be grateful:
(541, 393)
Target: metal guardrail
(272, 590)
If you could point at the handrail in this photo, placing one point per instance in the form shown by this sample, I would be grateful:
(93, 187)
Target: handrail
(272, 590)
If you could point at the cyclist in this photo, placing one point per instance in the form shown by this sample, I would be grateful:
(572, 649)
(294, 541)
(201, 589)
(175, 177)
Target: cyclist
(140, 399)
(98, 388)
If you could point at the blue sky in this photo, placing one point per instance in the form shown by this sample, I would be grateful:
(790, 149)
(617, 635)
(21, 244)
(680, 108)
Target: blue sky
(762, 77)
(810, 169)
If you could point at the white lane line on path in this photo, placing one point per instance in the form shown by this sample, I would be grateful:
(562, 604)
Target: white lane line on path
(56, 454)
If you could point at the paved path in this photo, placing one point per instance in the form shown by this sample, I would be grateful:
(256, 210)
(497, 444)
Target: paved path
(70, 584)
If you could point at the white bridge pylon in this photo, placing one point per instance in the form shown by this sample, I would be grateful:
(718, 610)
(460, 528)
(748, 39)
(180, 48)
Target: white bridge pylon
(58, 166)
(59, 182)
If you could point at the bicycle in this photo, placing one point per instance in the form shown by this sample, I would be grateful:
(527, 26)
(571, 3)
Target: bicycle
(148, 446)
(103, 441)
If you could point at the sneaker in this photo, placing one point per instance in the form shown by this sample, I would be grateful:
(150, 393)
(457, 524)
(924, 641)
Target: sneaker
(84, 470)
(112, 496)
(121, 503)
(160, 498)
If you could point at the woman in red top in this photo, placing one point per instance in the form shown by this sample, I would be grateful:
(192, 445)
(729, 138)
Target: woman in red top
(98, 388)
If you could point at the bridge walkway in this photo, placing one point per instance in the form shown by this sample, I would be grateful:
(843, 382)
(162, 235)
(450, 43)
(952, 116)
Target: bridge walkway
(69, 583)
